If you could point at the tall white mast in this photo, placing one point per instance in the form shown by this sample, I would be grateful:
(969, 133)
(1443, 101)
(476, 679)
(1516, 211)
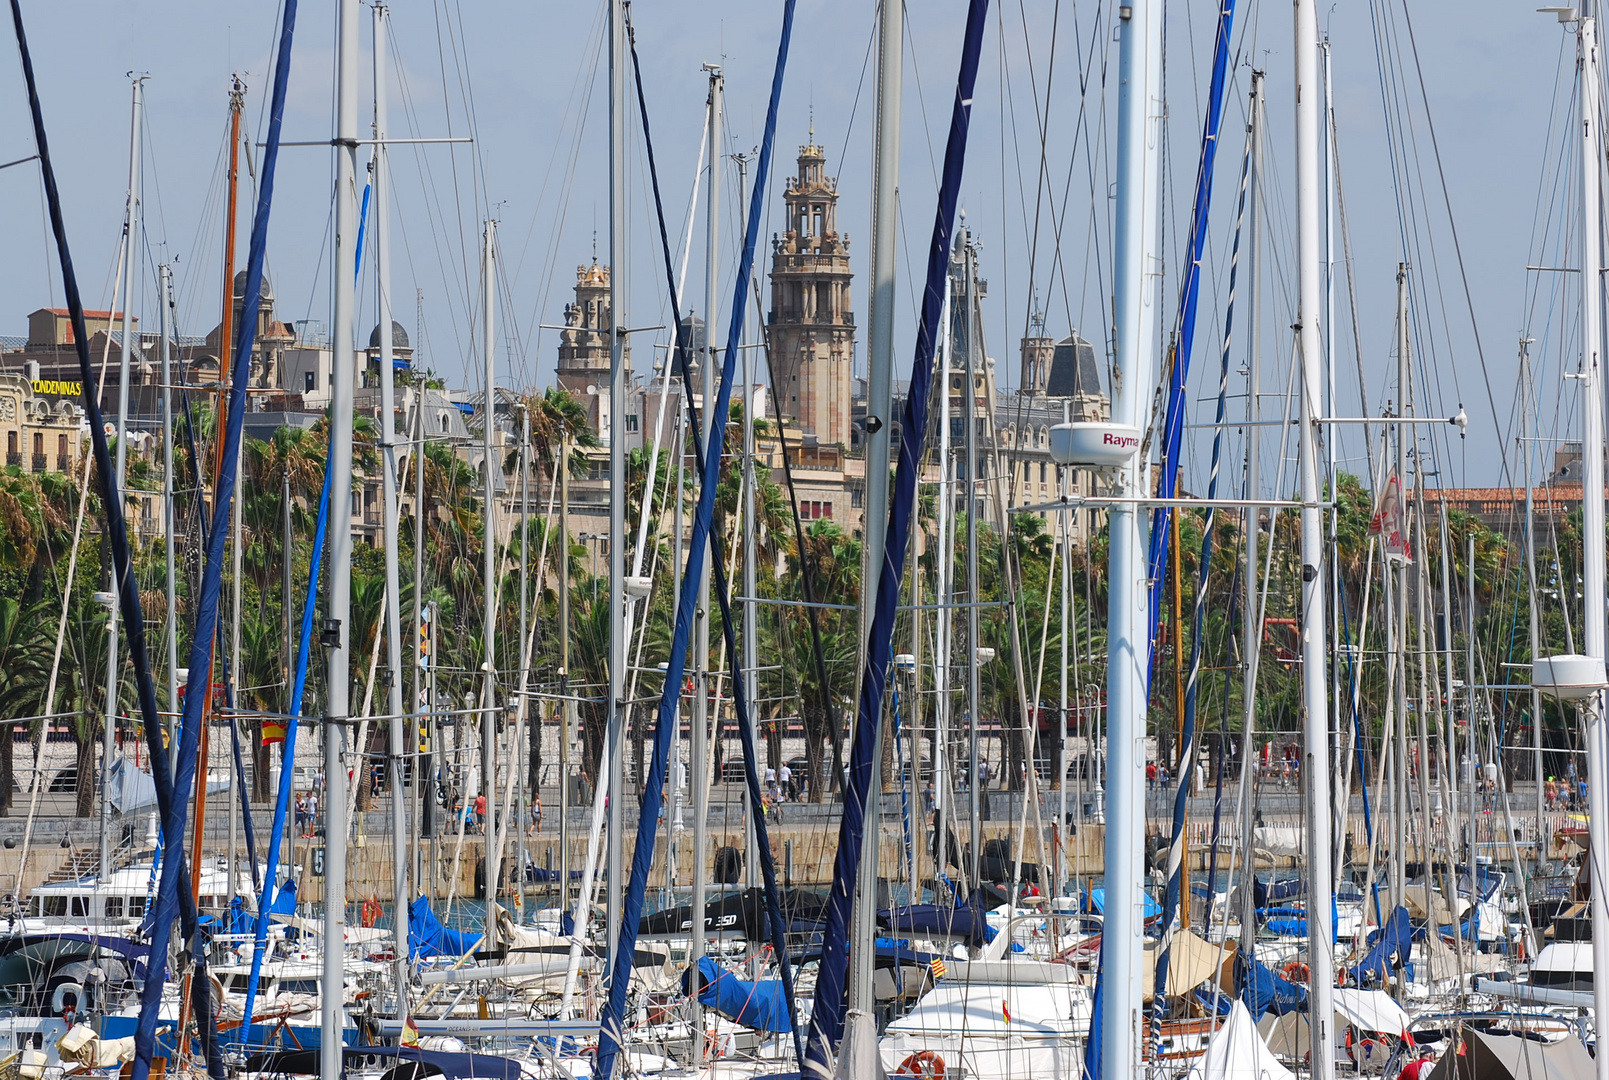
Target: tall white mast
(944, 529)
(170, 624)
(1135, 301)
(389, 483)
(699, 749)
(617, 469)
(488, 704)
(337, 631)
(1314, 628)
(131, 256)
(1251, 621)
(879, 425)
(1592, 503)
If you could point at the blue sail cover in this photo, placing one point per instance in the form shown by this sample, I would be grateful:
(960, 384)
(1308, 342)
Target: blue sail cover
(1265, 992)
(1391, 947)
(428, 937)
(933, 920)
(761, 1005)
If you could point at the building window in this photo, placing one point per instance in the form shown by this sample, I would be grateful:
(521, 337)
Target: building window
(39, 443)
(309, 381)
(357, 503)
(631, 423)
(857, 498)
(61, 445)
(444, 423)
(1044, 472)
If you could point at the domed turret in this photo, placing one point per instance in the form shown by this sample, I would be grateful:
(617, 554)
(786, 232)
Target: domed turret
(240, 289)
(399, 336)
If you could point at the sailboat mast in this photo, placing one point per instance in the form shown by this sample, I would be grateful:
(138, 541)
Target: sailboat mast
(566, 706)
(1530, 581)
(488, 704)
(1135, 304)
(170, 623)
(1314, 627)
(226, 332)
(237, 97)
(1398, 614)
(879, 426)
(522, 704)
(699, 749)
(969, 492)
(336, 635)
(617, 468)
(131, 252)
(1251, 620)
(943, 787)
(389, 484)
(1592, 474)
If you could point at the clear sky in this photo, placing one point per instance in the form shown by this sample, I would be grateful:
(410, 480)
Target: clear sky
(528, 81)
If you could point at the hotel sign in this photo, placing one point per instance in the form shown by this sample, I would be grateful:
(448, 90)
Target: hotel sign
(58, 388)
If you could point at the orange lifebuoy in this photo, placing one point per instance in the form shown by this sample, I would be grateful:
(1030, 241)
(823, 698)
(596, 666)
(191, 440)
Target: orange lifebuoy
(922, 1063)
(1295, 971)
(371, 911)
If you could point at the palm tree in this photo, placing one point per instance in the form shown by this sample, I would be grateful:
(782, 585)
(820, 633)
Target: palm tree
(24, 670)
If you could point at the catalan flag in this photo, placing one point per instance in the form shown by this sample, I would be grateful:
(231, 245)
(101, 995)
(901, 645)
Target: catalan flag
(1005, 1010)
(936, 966)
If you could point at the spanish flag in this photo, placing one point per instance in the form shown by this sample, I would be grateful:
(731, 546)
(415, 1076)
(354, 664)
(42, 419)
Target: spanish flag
(273, 731)
(410, 1032)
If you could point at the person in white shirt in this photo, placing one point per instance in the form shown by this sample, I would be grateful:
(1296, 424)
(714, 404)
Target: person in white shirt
(785, 777)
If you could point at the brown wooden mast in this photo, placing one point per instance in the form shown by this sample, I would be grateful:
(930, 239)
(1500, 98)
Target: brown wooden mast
(226, 328)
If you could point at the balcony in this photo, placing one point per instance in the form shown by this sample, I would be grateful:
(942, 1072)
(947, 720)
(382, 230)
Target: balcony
(39, 462)
(64, 463)
(14, 457)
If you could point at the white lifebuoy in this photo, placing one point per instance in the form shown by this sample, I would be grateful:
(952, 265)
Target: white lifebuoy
(58, 1000)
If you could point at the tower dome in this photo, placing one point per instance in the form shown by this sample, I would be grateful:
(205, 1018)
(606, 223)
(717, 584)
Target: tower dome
(240, 288)
(399, 336)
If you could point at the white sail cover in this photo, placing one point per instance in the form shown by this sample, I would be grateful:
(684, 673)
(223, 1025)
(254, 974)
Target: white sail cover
(1237, 1052)
(1370, 1010)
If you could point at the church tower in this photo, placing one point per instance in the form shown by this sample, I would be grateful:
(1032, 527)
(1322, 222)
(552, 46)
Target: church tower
(812, 324)
(1037, 353)
(584, 345)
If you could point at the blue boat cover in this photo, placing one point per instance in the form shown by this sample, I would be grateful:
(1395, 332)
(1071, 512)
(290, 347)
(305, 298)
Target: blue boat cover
(1271, 892)
(1097, 903)
(427, 937)
(964, 923)
(1389, 948)
(761, 1005)
(1265, 992)
(1293, 921)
